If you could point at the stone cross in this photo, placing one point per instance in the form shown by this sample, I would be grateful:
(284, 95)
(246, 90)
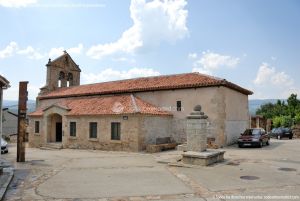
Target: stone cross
(196, 130)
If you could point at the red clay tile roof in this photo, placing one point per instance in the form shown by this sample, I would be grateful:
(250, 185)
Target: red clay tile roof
(166, 82)
(108, 105)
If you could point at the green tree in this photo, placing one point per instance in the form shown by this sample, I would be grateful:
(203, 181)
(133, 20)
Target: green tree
(281, 113)
(287, 121)
(293, 104)
(277, 121)
(297, 118)
(266, 110)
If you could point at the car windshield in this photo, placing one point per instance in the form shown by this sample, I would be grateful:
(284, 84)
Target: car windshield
(252, 132)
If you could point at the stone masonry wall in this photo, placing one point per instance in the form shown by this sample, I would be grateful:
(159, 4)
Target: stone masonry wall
(153, 127)
(129, 133)
(128, 142)
(36, 139)
(296, 131)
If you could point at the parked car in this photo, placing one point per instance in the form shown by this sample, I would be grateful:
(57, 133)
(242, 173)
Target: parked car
(4, 148)
(254, 137)
(282, 133)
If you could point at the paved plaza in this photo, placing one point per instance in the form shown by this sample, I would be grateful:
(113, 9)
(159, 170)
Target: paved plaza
(69, 174)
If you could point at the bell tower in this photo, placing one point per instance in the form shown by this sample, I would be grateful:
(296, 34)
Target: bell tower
(61, 72)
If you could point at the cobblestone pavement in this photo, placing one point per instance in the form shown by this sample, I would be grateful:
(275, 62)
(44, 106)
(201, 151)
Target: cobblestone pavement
(270, 172)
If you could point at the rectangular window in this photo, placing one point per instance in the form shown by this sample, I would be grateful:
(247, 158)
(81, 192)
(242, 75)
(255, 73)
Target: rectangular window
(73, 129)
(178, 105)
(115, 131)
(93, 129)
(37, 127)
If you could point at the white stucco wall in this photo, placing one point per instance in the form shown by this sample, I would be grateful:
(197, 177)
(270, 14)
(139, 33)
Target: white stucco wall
(237, 114)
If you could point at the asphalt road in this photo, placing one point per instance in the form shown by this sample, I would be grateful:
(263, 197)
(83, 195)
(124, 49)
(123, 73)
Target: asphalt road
(268, 173)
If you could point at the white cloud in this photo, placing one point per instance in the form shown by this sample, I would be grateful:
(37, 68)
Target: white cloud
(273, 58)
(153, 22)
(192, 56)
(268, 75)
(55, 52)
(16, 3)
(271, 83)
(110, 74)
(13, 48)
(9, 50)
(124, 59)
(202, 70)
(211, 61)
(31, 53)
(75, 50)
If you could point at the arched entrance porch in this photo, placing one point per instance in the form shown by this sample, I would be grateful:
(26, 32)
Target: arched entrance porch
(54, 128)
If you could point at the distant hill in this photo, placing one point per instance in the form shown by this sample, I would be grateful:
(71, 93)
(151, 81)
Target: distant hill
(12, 105)
(256, 103)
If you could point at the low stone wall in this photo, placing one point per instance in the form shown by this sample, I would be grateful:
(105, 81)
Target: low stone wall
(296, 131)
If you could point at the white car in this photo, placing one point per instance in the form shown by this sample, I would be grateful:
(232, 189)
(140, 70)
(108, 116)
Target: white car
(4, 149)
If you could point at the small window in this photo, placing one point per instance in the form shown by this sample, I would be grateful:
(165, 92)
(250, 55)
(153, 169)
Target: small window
(37, 127)
(93, 129)
(73, 129)
(115, 131)
(178, 105)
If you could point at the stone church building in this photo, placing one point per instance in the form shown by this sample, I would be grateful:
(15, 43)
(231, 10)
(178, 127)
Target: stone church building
(127, 115)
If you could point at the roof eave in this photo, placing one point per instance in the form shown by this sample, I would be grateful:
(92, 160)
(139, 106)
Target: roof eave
(235, 87)
(4, 82)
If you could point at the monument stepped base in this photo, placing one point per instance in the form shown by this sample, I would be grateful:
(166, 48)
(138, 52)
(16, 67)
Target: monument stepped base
(204, 158)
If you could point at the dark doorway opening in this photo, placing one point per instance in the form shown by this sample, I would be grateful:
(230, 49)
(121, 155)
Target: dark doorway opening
(58, 131)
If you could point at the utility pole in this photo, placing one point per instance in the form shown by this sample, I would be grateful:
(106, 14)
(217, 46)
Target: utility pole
(23, 97)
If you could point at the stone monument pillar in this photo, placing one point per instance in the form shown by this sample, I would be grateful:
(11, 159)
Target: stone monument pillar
(196, 153)
(196, 130)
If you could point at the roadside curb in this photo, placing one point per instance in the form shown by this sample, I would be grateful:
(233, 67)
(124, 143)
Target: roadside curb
(10, 172)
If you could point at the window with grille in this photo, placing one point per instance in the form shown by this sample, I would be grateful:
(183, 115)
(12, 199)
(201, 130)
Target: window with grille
(73, 129)
(37, 127)
(115, 130)
(93, 129)
(178, 105)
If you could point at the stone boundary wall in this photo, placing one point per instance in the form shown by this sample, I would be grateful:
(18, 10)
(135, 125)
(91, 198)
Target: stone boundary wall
(296, 131)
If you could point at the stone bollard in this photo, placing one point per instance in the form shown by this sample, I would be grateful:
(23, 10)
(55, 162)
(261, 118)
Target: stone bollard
(197, 130)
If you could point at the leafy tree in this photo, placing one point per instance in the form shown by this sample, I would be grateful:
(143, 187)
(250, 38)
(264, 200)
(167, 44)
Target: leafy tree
(297, 118)
(281, 113)
(277, 122)
(287, 121)
(266, 110)
(293, 104)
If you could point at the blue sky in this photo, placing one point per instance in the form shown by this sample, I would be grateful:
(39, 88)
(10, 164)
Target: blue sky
(252, 43)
